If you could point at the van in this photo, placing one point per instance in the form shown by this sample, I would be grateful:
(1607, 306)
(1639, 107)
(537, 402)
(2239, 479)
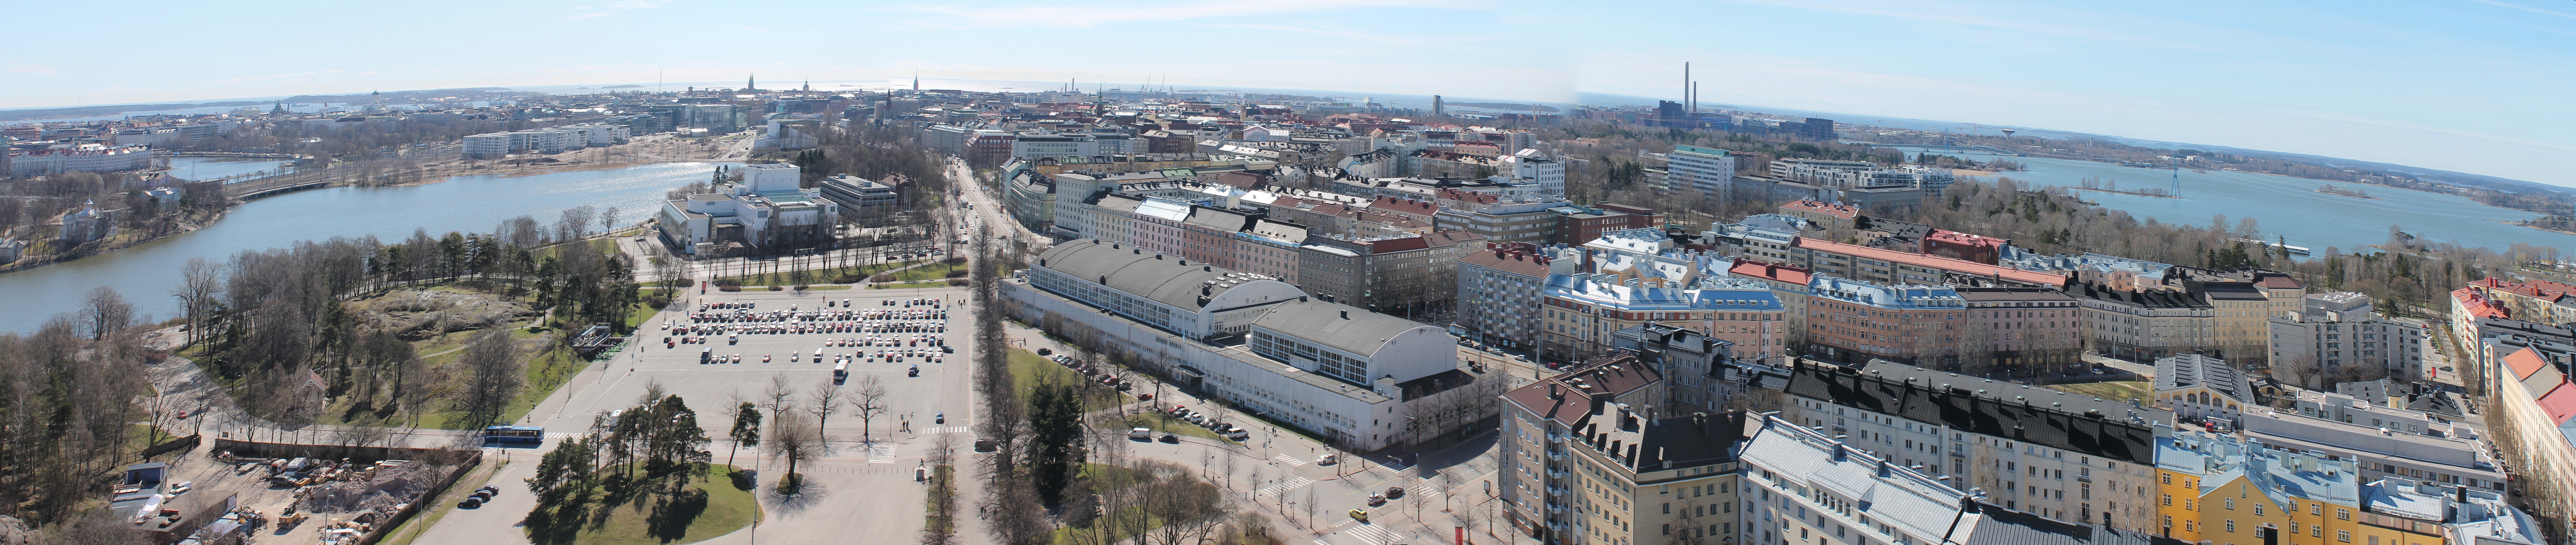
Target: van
(705, 354)
(840, 372)
(1140, 434)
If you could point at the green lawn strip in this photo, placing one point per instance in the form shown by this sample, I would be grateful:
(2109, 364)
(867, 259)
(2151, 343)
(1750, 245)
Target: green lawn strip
(1162, 422)
(815, 276)
(446, 500)
(911, 285)
(1027, 368)
(727, 508)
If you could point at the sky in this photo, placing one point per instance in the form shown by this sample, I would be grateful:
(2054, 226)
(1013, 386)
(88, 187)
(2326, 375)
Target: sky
(2477, 86)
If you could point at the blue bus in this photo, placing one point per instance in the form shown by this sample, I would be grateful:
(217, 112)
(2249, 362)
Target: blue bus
(514, 434)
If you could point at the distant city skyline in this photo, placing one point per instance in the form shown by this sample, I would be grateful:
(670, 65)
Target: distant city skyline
(2472, 86)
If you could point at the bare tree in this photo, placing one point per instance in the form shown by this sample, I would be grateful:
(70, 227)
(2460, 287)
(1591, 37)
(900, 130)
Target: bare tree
(781, 395)
(104, 312)
(827, 401)
(795, 440)
(608, 219)
(201, 285)
(491, 362)
(868, 402)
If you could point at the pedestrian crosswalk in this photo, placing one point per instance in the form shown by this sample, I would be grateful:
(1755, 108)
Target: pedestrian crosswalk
(1292, 461)
(949, 429)
(1283, 486)
(1425, 490)
(1363, 534)
(881, 453)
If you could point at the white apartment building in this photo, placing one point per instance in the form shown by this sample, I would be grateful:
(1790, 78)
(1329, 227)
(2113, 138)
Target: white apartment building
(1535, 167)
(2337, 331)
(1709, 171)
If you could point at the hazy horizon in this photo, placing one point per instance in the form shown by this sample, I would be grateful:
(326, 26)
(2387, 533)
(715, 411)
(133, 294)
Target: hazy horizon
(2469, 86)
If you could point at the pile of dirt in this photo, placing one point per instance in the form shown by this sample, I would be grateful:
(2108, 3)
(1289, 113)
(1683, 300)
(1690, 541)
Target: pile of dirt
(380, 493)
(420, 314)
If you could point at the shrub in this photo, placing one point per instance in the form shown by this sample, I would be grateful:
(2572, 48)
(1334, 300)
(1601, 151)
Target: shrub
(882, 277)
(954, 261)
(776, 288)
(956, 273)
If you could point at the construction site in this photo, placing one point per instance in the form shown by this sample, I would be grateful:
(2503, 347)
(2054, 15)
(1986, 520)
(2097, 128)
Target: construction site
(292, 494)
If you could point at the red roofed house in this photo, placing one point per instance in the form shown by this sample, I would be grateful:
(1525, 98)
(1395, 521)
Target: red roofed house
(1789, 282)
(2531, 421)
(1893, 267)
(1963, 246)
(1831, 216)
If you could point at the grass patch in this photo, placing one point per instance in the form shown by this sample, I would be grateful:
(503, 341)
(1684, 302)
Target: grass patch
(1162, 423)
(1027, 368)
(815, 276)
(710, 505)
(440, 505)
(933, 271)
(2117, 390)
(547, 367)
(911, 285)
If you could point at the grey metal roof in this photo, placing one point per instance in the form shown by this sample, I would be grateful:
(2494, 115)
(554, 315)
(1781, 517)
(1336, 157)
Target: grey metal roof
(2189, 370)
(1167, 279)
(1343, 327)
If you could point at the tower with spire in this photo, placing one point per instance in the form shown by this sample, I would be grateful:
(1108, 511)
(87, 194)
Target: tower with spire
(279, 110)
(750, 83)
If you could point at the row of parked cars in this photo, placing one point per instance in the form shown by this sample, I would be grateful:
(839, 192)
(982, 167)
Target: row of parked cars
(1212, 424)
(1097, 374)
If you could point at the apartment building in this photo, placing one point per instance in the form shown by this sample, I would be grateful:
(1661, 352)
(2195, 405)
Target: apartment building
(1268, 247)
(1857, 321)
(2213, 489)
(2339, 335)
(1581, 224)
(1826, 216)
(2535, 301)
(1402, 274)
(1158, 225)
(1587, 459)
(1768, 237)
(1895, 267)
(2143, 325)
(1530, 221)
(2031, 330)
(1497, 289)
(1788, 283)
(2390, 443)
(1807, 487)
(1582, 310)
(1536, 168)
(1709, 171)
(2064, 456)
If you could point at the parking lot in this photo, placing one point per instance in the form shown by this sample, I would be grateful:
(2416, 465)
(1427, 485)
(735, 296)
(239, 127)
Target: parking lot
(864, 483)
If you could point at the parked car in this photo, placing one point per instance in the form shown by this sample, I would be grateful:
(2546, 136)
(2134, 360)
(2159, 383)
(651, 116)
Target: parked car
(1395, 492)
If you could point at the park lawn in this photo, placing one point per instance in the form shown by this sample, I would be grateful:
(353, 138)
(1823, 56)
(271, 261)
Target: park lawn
(910, 285)
(1162, 422)
(933, 271)
(1027, 368)
(2117, 390)
(1079, 536)
(815, 276)
(727, 508)
(544, 372)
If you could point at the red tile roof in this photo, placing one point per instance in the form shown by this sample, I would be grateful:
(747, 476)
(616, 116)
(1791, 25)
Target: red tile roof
(1510, 261)
(1778, 272)
(1960, 266)
(2478, 305)
(1566, 397)
(1963, 239)
(1405, 206)
(2560, 402)
(2525, 362)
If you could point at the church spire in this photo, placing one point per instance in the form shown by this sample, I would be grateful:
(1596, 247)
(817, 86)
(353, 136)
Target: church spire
(749, 83)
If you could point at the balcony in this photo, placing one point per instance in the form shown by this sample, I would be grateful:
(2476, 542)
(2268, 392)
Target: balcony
(1555, 509)
(1556, 474)
(1556, 491)
(1556, 455)
(1556, 438)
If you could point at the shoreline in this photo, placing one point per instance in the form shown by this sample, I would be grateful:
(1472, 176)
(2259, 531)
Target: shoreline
(183, 229)
(548, 169)
(2518, 224)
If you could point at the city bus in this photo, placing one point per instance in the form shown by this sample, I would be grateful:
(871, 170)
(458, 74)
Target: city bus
(514, 434)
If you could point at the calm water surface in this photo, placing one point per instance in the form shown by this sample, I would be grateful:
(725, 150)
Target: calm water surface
(145, 273)
(2288, 207)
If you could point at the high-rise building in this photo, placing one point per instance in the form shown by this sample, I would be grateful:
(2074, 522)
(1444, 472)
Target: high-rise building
(1710, 171)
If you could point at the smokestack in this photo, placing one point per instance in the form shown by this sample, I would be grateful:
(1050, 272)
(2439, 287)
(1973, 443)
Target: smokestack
(1686, 84)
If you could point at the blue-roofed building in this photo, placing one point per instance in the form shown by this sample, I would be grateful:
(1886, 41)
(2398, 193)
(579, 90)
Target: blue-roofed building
(1584, 309)
(1855, 321)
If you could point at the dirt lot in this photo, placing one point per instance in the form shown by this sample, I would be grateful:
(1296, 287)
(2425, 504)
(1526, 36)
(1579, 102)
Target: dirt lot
(357, 491)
